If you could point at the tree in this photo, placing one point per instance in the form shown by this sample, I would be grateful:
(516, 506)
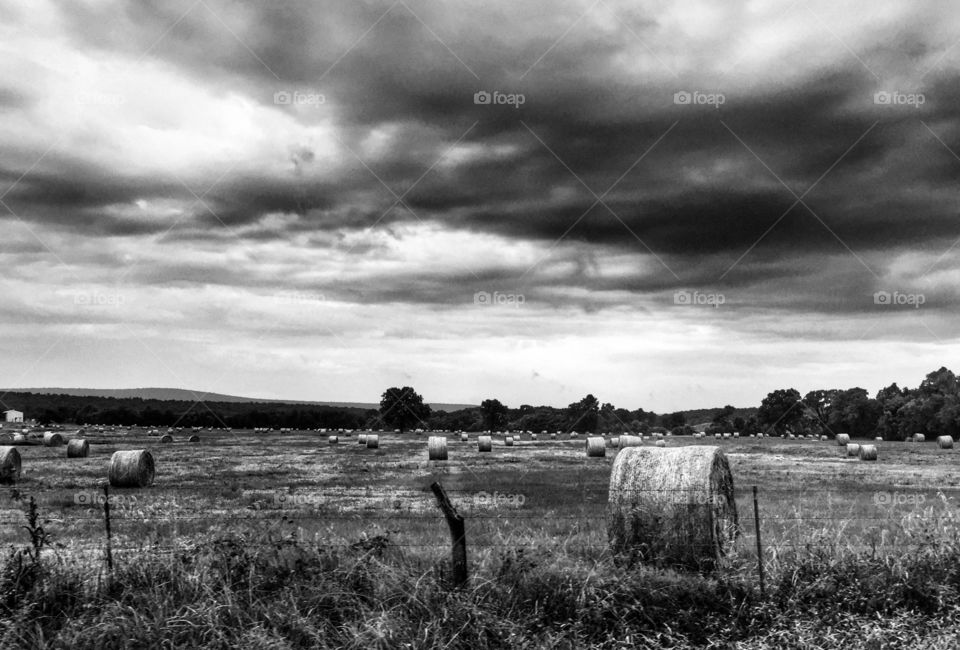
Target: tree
(495, 413)
(403, 408)
(583, 415)
(818, 404)
(673, 420)
(781, 411)
(723, 421)
(853, 411)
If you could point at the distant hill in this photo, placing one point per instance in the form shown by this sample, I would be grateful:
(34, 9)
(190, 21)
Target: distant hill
(183, 395)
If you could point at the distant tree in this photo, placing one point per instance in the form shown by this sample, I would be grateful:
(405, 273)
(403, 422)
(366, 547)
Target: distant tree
(583, 415)
(723, 420)
(817, 403)
(853, 411)
(495, 414)
(780, 411)
(739, 423)
(403, 408)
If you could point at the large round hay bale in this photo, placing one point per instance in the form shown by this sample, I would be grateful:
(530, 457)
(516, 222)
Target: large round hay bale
(373, 441)
(464, 437)
(78, 448)
(332, 440)
(945, 442)
(660, 443)
(193, 439)
(614, 442)
(52, 439)
(596, 447)
(362, 439)
(508, 441)
(868, 452)
(672, 506)
(843, 439)
(10, 464)
(630, 441)
(166, 438)
(919, 437)
(131, 468)
(853, 450)
(484, 443)
(437, 448)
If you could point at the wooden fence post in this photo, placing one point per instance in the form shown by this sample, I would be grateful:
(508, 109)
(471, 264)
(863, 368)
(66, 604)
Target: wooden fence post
(457, 534)
(106, 519)
(756, 522)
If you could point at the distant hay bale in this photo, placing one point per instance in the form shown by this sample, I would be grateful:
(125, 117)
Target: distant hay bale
(373, 441)
(166, 438)
(596, 447)
(332, 440)
(726, 435)
(78, 448)
(853, 449)
(131, 468)
(919, 437)
(508, 441)
(843, 439)
(193, 439)
(484, 443)
(52, 439)
(437, 448)
(630, 441)
(879, 438)
(10, 464)
(945, 442)
(464, 437)
(362, 439)
(660, 443)
(533, 436)
(824, 438)
(868, 452)
(672, 506)
(736, 434)
(718, 436)
(573, 434)
(553, 436)
(614, 442)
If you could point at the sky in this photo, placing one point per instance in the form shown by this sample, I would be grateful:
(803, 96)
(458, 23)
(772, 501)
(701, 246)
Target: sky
(669, 205)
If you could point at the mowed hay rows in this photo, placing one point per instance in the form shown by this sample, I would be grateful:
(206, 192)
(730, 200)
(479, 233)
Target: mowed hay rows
(484, 443)
(10, 465)
(437, 448)
(596, 447)
(945, 442)
(853, 450)
(373, 441)
(868, 452)
(671, 506)
(132, 468)
(78, 448)
(52, 439)
(843, 439)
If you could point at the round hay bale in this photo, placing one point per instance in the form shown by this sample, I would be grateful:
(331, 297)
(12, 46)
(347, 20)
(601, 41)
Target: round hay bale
(373, 441)
(193, 439)
(736, 434)
(614, 442)
(672, 506)
(464, 437)
(853, 450)
(629, 441)
(843, 439)
(484, 443)
(824, 438)
(362, 439)
(52, 439)
(10, 464)
(660, 443)
(78, 448)
(879, 438)
(945, 442)
(596, 447)
(553, 436)
(919, 437)
(437, 448)
(508, 441)
(573, 434)
(868, 452)
(166, 438)
(533, 436)
(718, 436)
(726, 435)
(131, 468)
(332, 440)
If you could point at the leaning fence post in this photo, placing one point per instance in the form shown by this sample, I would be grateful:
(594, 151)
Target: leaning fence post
(756, 523)
(457, 534)
(106, 519)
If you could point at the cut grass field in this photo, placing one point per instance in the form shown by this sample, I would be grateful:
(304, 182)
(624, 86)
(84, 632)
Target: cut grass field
(293, 510)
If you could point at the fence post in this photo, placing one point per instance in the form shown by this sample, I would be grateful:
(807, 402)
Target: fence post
(457, 534)
(106, 519)
(756, 523)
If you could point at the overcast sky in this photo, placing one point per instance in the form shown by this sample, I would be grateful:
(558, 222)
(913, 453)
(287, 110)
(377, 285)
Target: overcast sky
(668, 204)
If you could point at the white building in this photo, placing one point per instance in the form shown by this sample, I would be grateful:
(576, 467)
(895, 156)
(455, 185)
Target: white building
(13, 416)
